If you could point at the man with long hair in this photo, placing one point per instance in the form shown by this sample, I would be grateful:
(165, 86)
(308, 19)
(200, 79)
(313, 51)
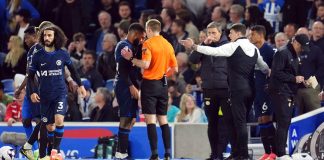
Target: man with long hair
(50, 61)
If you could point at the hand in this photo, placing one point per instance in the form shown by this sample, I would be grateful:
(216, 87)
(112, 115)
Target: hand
(71, 47)
(17, 93)
(73, 87)
(82, 91)
(11, 121)
(127, 53)
(188, 43)
(208, 40)
(299, 79)
(321, 96)
(35, 98)
(134, 92)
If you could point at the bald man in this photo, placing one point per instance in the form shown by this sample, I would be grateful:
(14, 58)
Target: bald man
(318, 34)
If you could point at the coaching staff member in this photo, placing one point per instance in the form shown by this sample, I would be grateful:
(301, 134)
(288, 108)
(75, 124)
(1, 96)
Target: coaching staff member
(242, 56)
(158, 61)
(283, 86)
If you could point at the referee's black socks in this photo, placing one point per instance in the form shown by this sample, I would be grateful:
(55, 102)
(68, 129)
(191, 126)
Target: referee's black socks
(152, 136)
(166, 135)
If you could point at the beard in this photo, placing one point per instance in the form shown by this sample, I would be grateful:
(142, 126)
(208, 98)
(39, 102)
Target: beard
(49, 44)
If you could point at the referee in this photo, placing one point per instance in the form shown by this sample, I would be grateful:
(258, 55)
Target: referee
(158, 61)
(241, 57)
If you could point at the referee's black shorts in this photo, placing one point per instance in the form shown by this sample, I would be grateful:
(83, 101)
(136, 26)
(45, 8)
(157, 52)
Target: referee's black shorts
(154, 97)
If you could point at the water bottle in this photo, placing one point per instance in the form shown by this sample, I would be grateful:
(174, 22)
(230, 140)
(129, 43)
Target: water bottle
(99, 152)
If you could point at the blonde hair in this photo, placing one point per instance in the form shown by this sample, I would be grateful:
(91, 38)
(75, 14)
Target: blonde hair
(183, 107)
(16, 51)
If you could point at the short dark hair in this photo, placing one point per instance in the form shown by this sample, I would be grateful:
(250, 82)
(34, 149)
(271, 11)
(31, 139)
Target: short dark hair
(124, 25)
(171, 13)
(90, 52)
(239, 27)
(78, 36)
(294, 25)
(24, 13)
(136, 27)
(125, 3)
(259, 29)
(30, 30)
(184, 14)
(59, 36)
(180, 23)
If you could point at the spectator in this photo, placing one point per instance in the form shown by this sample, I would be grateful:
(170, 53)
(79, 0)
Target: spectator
(123, 29)
(190, 27)
(172, 110)
(318, 34)
(281, 40)
(106, 61)
(174, 90)
(290, 30)
(86, 104)
(14, 6)
(5, 99)
(88, 70)
(13, 112)
(144, 16)
(22, 18)
(219, 16)
(190, 113)
(78, 46)
(202, 36)
(272, 12)
(236, 15)
(226, 5)
(313, 12)
(320, 13)
(253, 16)
(16, 59)
(110, 7)
(105, 22)
(125, 12)
(167, 3)
(207, 12)
(168, 15)
(178, 33)
(104, 112)
(72, 16)
(185, 71)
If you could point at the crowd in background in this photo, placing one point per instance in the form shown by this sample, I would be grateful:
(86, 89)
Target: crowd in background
(94, 27)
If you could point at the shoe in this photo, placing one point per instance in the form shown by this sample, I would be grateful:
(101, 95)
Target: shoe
(264, 157)
(231, 157)
(285, 157)
(45, 158)
(55, 155)
(121, 156)
(272, 156)
(167, 156)
(28, 153)
(154, 157)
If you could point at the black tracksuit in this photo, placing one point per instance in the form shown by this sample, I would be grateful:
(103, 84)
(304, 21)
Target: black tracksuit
(283, 87)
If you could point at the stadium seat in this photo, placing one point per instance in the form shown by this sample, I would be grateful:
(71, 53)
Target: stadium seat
(8, 85)
(110, 84)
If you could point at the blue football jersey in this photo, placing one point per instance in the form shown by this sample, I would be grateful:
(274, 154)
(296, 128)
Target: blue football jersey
(50, 66)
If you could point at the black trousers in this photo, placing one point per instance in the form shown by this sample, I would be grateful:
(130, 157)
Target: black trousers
(220, 127)
(241, 103)
(283, 109)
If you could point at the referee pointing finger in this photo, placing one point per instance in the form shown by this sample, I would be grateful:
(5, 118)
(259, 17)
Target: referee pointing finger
(158, 61)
